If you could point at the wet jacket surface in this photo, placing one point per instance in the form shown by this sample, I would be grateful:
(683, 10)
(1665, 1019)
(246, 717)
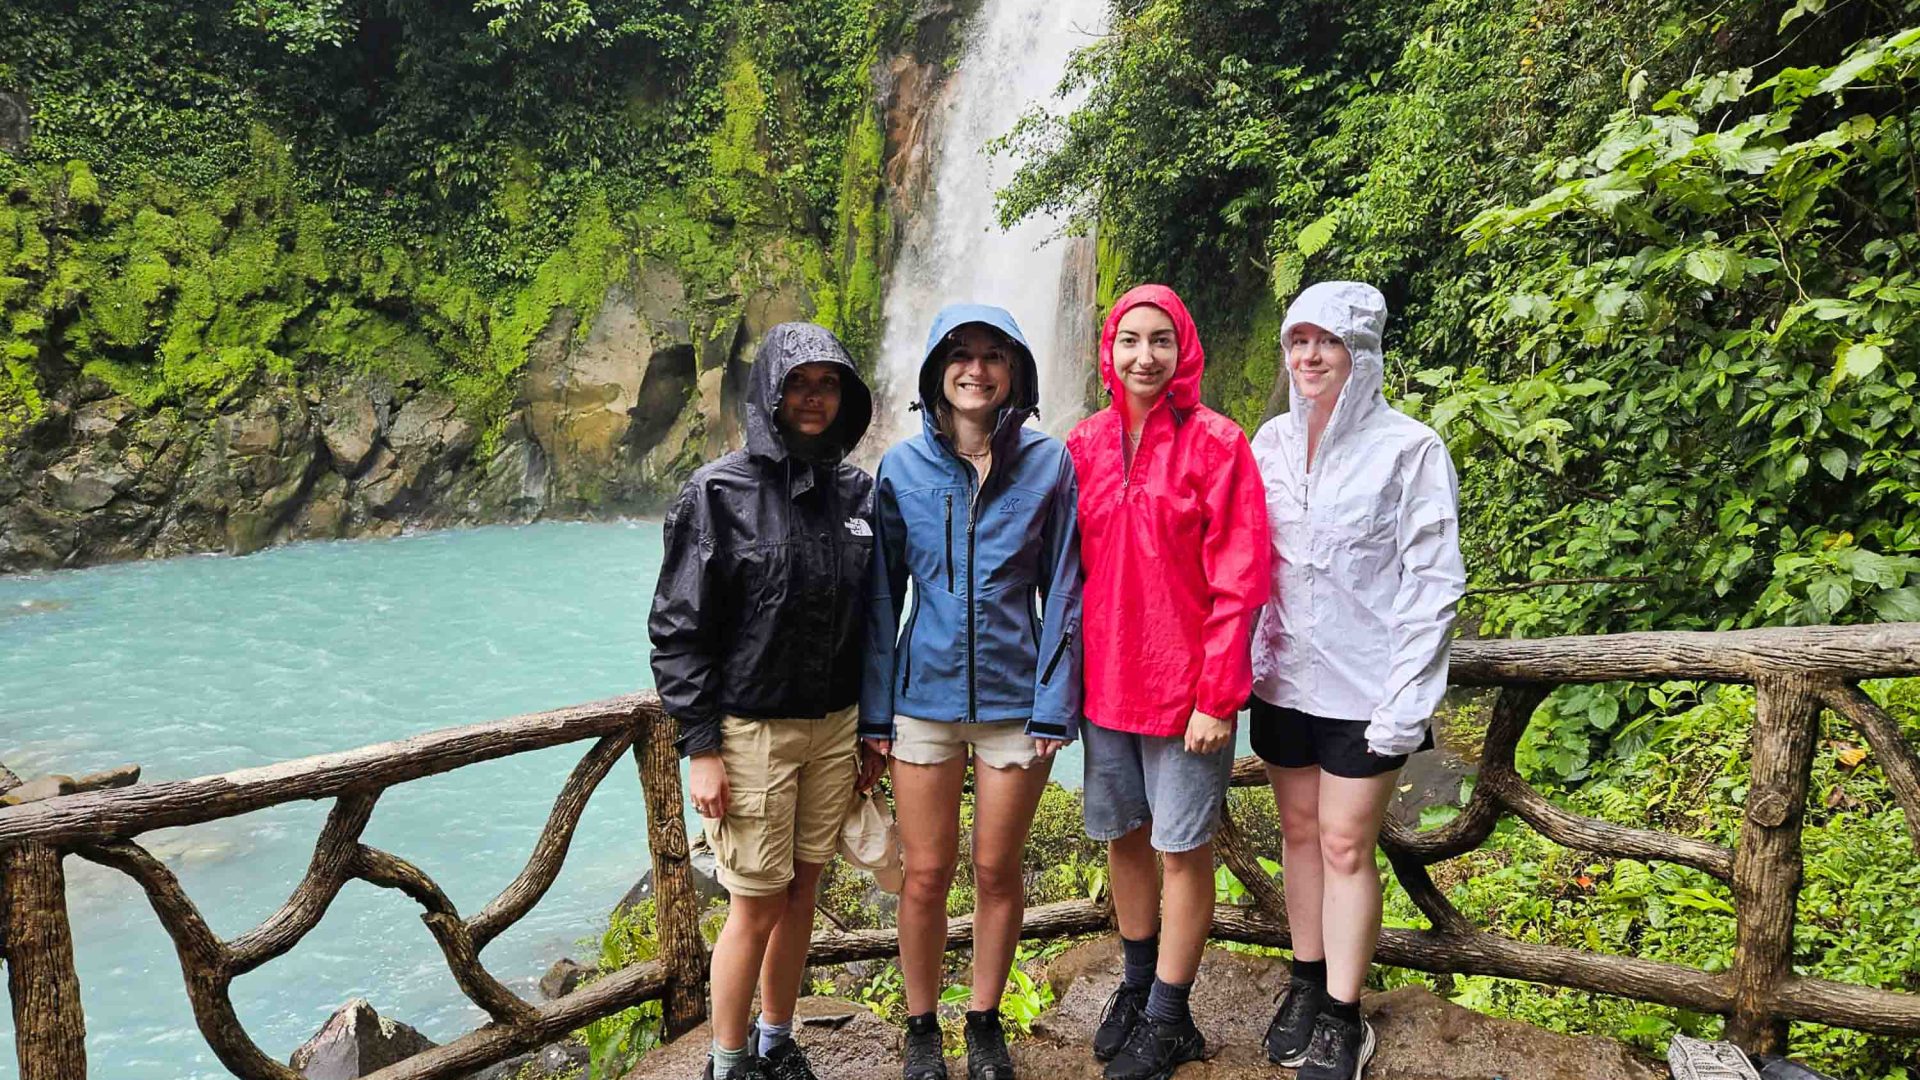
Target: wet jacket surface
(1175, 550)
(1366, 568)
(758, 610)
(993, 630)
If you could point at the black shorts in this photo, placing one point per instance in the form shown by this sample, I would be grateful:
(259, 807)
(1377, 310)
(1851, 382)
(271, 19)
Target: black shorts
(1290, 739)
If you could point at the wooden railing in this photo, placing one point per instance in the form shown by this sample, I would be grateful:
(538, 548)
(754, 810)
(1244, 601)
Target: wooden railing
(1795, 672)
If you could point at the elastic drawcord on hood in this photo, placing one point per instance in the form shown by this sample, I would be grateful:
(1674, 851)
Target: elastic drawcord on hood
(1356, 313)
(786, 347)
(1184, 391)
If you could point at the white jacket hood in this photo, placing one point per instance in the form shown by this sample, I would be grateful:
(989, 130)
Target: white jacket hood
(1366, 550)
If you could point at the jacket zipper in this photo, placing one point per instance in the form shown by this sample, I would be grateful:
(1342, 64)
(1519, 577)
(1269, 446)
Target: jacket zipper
(906, 648)
(972, 703)
(949, 535)
(1059, 651)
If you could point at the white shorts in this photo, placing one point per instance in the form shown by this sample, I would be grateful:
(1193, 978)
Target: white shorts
(999, 745)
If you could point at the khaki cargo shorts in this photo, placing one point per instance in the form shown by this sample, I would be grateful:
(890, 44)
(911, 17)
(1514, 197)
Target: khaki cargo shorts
(791, 785)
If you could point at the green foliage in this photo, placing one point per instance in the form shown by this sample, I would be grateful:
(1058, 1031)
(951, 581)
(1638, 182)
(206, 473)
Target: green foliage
(231, 189)
(1690, 369)
(616, 1042)
(1687, 773)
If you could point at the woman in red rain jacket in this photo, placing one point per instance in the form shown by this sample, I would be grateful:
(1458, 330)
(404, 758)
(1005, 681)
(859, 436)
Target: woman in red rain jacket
(1173, 538)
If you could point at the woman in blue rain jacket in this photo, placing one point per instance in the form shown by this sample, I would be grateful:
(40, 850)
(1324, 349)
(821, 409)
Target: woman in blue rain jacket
(978, 513)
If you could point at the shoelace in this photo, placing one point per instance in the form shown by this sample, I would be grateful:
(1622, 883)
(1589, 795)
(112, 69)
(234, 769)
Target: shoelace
(793, 1065)
(1328, 1041)
(1291, 1001)
(1143, 1043)
(1123, 996)
(924, 1056)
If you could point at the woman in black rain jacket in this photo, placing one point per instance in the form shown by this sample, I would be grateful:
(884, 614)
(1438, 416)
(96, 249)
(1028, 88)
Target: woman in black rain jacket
(757, 628)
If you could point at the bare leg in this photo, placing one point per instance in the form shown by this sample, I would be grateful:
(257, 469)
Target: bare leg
(787, 947)
(737, 957)
(1004, 801)
(927, 798)
(1296, 793)
(1350, 815)
(1135, 880)
(1189, 915)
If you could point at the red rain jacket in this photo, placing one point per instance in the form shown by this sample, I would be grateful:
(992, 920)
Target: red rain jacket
(1176, 554)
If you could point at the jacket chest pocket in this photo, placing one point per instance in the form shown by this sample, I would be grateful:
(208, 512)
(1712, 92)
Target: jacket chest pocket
(762, 575)
(1359, 547)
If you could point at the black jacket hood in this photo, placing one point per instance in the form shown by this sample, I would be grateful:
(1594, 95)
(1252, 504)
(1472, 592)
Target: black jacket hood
(786, 347)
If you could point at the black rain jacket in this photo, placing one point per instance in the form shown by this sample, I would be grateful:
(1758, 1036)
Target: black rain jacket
(759, 607)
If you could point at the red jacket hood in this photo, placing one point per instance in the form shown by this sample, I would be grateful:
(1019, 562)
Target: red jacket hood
(1184, 390)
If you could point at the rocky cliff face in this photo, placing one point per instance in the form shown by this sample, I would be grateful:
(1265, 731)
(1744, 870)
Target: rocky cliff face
(613, 408)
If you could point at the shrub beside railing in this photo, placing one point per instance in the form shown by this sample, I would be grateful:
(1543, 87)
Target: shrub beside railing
(1795, 672)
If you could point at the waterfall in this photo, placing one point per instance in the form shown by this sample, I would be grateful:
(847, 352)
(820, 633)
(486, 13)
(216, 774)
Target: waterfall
(953, 249)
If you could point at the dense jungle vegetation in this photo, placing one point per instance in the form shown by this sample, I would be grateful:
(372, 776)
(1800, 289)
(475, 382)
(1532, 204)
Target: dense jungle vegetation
(217, 190)
(1652, 269)
(1652, 265)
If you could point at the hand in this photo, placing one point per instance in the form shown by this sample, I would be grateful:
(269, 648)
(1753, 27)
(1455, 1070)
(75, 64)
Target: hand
(1206, 734)
(708, 785)
(1044, 749)
(873, 762)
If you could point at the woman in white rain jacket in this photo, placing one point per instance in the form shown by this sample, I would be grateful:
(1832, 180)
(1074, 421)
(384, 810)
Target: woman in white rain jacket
(1350, 653)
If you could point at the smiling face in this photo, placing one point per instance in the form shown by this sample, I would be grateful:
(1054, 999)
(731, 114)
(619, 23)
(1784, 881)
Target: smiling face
(1319, 361)
(810, 398)
(1146, 350)
(978, 377)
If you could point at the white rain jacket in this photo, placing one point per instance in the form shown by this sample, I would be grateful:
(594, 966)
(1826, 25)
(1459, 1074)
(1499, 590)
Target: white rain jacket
(1366, 547)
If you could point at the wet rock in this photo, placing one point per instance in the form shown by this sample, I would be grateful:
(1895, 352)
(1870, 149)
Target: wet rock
(563, 977)
(349, 425)
(16, 122)
(355, 1041)
(843, 1040)
(561, 1059)
(83, 486)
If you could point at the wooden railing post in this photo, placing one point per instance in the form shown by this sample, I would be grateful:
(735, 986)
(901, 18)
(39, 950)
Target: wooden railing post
(50, 1031)
(1767, 865)
(675, 906)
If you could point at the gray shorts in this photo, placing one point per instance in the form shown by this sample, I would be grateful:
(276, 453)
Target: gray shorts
(1134, 779)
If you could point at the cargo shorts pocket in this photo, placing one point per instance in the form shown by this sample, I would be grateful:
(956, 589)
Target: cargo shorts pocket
(741, 842)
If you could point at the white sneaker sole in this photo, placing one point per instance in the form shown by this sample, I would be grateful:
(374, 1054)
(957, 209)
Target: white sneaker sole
(1368, 1044)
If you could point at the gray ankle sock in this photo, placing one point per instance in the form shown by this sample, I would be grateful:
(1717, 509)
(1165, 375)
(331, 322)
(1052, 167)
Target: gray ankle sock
(1138, 959)
(1167, 1002)
(725, 1061)
(772, 1035)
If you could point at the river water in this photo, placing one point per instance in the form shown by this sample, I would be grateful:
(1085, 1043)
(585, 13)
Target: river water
(200, 665)
(204, 664)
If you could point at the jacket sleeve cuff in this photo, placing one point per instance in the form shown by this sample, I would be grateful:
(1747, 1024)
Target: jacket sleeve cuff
(1388, 739)
(1038, 728)
(876, 727)
(698, 737)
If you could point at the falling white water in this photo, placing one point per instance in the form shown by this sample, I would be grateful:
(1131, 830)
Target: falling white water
(954, 250)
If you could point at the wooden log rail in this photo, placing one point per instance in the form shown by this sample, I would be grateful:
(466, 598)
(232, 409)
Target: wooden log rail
(1796, 673)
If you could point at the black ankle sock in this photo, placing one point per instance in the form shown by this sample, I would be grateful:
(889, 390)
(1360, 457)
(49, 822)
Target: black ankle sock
(1344, 1010)
(1313, 971)
(921, 1023)
(984, 1016)
(1167, 1002)
(1140, 958)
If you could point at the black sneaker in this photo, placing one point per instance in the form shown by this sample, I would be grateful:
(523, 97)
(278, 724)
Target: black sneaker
(1123, 1012)
(751, 1068)
(1340, 1050)
(1156, 1048)
(1291, 1031)
(788, 1062)
(987, 1057)
(925, 1059)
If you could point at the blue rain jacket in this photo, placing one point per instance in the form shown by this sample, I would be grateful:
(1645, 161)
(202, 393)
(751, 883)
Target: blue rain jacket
(995, 620)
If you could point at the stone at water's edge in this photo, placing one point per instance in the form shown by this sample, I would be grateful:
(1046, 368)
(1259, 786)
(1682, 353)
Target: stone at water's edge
(1422, 1037)
(355, 1041)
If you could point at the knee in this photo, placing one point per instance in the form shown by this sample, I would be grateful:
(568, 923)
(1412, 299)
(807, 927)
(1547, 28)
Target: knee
(1347, 854)
(757, 915)
(1299, 828)
(928, 885)
(1197, 862)
(1001, 879)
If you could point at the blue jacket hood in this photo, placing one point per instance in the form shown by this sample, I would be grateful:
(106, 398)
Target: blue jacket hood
(953, 317)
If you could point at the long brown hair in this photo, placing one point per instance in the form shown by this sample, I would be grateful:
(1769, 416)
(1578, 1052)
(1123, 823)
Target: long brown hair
(1016, 377)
